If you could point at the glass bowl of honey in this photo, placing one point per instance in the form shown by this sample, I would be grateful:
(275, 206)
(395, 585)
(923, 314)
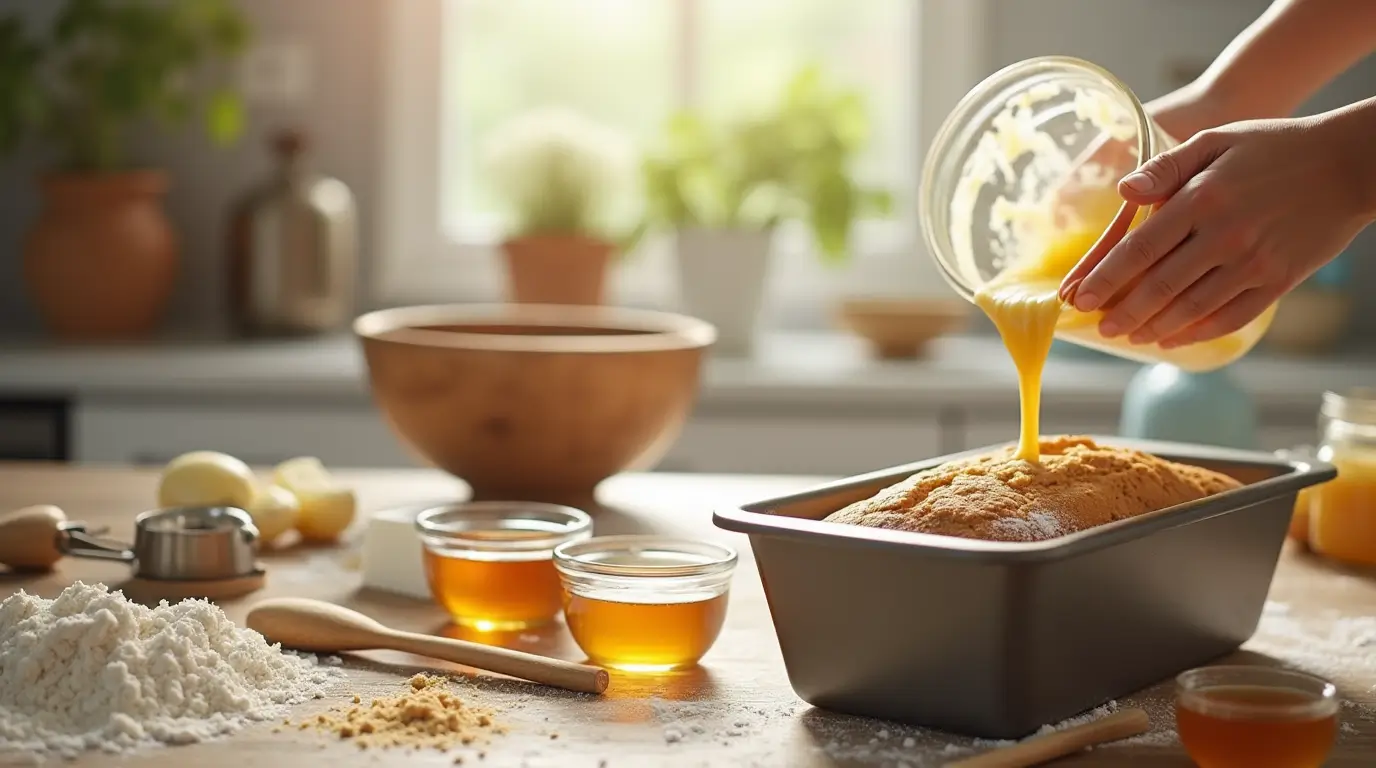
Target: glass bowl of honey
(1255, 717)
(645, 603)
(490, 563)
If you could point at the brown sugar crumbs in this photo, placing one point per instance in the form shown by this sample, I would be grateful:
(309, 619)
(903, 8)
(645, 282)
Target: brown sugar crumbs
(427, 715)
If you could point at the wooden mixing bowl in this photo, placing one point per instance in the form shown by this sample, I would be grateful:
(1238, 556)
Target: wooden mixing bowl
(901, 329)
(532, 401)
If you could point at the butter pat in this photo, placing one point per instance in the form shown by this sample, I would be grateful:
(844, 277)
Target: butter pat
(392, 553)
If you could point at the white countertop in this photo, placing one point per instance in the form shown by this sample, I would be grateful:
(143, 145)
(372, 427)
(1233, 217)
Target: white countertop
(791, 372)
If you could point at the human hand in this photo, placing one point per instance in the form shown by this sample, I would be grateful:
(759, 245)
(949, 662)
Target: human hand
(1087, 192)
(1181, 114)
(1190, 109)
(1246, 212)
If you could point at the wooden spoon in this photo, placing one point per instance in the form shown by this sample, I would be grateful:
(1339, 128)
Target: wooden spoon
(1041, 749)
(28, 537)
(318, 627)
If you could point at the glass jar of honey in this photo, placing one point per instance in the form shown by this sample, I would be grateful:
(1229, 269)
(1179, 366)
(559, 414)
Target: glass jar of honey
(1342, 511)
(490, 564)
(1255, 717)
(1020, 182)
(645, 603)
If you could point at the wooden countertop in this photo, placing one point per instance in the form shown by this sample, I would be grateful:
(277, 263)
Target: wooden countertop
(736, 709)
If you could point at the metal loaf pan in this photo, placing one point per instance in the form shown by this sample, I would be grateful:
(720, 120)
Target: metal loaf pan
(992, 639)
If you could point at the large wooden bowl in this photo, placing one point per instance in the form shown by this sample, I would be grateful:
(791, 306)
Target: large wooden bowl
(534, 401)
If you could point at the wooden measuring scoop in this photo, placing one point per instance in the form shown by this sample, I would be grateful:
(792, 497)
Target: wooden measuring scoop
(318, 627)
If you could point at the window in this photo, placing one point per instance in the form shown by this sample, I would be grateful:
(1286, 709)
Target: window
(458, 68)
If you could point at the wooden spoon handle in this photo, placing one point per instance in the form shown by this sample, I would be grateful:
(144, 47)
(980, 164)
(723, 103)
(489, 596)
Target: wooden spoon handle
(1119, 725)
(527, 666)
(28, 537)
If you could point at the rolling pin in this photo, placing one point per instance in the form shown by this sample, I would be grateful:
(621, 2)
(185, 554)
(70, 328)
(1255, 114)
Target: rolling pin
(1040, 749)
(28, 537)
(318, 627)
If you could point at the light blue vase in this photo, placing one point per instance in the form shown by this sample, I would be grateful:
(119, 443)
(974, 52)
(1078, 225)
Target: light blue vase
(1163, 402)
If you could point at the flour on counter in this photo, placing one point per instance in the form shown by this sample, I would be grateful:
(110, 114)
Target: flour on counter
(1328, 645)
(922, 748)
(91, 670)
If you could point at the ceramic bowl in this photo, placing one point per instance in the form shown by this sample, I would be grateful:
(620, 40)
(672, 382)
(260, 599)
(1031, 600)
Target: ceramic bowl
(534, 401)
(902, 328)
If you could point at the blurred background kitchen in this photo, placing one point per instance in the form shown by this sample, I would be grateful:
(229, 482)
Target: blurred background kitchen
(402, 139)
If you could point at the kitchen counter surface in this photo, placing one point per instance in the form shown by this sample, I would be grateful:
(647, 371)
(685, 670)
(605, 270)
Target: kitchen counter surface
(736, 709)
(791, 371)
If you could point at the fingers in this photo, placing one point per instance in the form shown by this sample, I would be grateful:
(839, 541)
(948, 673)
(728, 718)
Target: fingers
(1118, 259)
(1111, 237)
(1173, 286)
(1164, 175)
(1196, 303)
(1241, 310)
(1137, 252)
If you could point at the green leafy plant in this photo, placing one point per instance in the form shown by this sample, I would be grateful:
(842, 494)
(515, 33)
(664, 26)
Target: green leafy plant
(106, 64)
(792, 161)
(560, 173)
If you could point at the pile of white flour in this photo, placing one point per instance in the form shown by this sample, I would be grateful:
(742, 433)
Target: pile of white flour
(92, 670)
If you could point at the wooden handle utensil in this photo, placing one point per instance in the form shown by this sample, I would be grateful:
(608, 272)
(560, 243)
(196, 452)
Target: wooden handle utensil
(1119, 725)
(318, 627)
(28, 537)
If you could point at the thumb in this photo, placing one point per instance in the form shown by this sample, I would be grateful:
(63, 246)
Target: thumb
(1164, 175)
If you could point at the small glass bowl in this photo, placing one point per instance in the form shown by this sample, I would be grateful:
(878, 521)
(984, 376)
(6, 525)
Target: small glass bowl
(490, 563)
(645, 603)
(1255, 717)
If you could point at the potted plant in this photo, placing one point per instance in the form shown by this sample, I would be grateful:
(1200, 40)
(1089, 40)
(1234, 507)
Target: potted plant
(564, 181)
(724, 189)
(101, 260)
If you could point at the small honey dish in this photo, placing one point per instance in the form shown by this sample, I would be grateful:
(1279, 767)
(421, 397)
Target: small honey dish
(1255, 717)
(645, 603)
(490, 563)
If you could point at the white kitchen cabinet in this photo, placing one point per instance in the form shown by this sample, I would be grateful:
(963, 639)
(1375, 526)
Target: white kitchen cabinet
(341, 436)
(980, 428)
(1277, 430)
(344, 436)
(1272, 438)
(801, 444)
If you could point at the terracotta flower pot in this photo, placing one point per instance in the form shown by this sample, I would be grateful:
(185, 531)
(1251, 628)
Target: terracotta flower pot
(100, 262)
(557, 269)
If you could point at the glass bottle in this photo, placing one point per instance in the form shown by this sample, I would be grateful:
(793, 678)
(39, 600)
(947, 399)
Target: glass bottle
(293, 249)
(1342, 511)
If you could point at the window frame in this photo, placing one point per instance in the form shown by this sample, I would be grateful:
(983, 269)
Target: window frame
(414, 261)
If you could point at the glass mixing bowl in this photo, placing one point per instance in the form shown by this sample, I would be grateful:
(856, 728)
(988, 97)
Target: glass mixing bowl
(1028, 163)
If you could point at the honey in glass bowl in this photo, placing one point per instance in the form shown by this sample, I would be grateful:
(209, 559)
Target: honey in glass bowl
(645, 603)
(490, 564)
(1255, 717)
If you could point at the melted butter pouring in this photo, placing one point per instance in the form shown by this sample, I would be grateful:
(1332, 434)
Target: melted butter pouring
(1023, 304)
(1025, 314)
